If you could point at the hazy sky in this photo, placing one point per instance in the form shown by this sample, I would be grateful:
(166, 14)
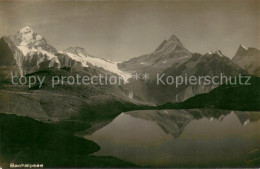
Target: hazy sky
(120, 30)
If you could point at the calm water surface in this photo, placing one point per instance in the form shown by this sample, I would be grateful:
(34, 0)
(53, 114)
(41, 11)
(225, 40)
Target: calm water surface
(182, 138)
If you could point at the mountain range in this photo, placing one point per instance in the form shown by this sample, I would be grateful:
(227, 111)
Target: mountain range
(28, 53)
(227, 97)
(171, 58)
(173, 122)
(165, 55)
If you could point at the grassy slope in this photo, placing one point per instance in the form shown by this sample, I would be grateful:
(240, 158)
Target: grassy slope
(64, 101)
(230, 97)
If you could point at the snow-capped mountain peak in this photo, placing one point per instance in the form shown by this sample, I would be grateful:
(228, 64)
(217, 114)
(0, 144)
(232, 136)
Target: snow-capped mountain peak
(209, 53)
(25, 30)
(242, 46)
(32, 52)
(219, 53)
(28, 38)
(241, 51)
(26, 35)
(79, 54)
(30, 42)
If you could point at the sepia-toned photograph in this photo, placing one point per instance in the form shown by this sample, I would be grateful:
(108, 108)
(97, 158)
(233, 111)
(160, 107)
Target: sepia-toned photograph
(129, 84)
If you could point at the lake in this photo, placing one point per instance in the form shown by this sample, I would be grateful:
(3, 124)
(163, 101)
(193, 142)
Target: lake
(182, 138)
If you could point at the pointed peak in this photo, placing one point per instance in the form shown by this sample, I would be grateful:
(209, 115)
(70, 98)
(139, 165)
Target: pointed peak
(170, 45)
(27, 38)
(241, 51)
(174, 38)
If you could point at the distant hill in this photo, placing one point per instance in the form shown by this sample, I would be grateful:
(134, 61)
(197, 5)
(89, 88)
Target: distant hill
(227, 96)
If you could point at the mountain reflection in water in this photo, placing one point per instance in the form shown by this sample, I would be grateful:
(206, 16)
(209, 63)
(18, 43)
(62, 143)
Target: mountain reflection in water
(182, 138)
